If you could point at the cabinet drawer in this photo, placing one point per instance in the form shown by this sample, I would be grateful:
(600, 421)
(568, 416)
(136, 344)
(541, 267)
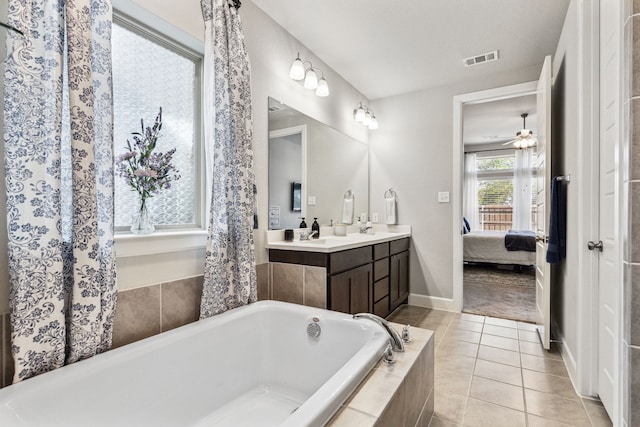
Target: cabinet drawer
(381, 250)
(380, 269)
(346, 260)
(381, 308)
(397, 246)
(381, 289)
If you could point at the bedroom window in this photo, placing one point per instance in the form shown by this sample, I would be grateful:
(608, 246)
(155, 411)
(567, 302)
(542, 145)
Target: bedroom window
(498, 177)
(150, 71)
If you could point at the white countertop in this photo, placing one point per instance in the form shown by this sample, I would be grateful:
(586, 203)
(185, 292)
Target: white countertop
(328, 242)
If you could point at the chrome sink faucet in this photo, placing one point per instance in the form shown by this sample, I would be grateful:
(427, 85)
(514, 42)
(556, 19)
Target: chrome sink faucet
(305, 235)
(395, 340)
(364, 228)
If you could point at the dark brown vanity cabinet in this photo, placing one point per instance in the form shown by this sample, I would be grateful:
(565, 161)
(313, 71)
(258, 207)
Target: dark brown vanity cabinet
(372, 279)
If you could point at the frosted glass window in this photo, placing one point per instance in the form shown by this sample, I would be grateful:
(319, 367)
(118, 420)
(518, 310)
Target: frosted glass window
(147, 75)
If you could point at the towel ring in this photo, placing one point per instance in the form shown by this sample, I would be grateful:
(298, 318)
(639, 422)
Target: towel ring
(563, 178)
(390, 194)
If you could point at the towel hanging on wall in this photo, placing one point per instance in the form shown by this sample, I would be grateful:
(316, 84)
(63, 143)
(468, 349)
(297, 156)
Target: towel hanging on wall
(390, 206)
(557, 248)
(347, 208)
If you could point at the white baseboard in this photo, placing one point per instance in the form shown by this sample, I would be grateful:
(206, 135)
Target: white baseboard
(437, 303)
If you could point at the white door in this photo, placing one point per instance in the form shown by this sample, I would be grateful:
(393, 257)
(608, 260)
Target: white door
(608, 225)
(543, 178)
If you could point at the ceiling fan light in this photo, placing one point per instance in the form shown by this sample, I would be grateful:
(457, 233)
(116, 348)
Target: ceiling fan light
(297, 69)
(323, 88)
(311, 79)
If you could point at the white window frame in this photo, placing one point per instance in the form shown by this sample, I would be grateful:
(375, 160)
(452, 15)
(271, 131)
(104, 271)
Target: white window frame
(171, 238)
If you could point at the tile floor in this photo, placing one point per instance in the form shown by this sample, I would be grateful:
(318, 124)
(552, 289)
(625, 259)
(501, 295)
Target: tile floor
(494, 372)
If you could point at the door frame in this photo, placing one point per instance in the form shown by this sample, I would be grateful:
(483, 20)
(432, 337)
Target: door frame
(489, 95)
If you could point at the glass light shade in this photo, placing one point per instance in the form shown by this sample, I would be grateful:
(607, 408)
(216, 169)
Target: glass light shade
(297, 69)
(367, 119)
(374, 123)
(323, 88)
(360, 114)
(311, 79)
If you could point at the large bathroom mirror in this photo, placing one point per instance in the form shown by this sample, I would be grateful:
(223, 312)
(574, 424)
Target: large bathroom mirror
(311, 167)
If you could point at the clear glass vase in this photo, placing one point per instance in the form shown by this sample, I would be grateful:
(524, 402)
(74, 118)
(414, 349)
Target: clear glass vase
(142, 221)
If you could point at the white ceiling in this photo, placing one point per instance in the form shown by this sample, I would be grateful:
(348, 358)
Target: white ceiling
(390, 47)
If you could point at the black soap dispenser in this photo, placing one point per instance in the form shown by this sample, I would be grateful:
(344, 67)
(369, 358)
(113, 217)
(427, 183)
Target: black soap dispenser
(315, 227)
(303, 224)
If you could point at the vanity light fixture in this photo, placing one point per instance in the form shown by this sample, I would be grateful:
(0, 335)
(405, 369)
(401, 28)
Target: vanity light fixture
(366, 116)
(298, 72)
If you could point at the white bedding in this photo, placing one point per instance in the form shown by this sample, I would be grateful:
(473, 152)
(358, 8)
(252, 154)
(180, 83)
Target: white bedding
(488, 246)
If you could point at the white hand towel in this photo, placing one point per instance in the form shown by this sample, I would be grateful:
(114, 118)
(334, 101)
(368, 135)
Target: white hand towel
(390, 210)
(347, 211)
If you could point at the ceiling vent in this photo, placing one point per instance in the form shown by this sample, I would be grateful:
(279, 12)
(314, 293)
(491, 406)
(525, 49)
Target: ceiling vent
(481, 59)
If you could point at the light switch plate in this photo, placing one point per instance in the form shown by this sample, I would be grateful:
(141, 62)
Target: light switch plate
(443, 197)
(374, 217)
(311, 200)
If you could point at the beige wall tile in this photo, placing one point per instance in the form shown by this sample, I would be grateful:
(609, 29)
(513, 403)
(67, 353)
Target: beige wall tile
(137, 315)
(417, 388)
(262, 273)
(395, 414)
(315, 286)
(635, 56)
(634, 386)
(287, 282)
(634, 219)
(347, 417)
(181, 302)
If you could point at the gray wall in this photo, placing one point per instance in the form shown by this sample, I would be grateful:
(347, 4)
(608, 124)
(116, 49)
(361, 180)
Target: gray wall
(285, 167)
(412, 152)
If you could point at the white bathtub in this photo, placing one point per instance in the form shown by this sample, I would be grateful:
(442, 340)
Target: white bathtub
(252, 366)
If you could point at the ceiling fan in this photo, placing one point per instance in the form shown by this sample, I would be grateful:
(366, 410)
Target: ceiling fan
(524, 138)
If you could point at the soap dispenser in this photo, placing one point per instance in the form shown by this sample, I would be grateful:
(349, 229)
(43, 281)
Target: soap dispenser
(303, 224)
(315, 227)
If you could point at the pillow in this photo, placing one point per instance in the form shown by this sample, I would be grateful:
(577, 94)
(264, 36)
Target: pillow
(466, 228)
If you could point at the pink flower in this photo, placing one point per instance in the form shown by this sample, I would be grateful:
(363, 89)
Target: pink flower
(125, 156)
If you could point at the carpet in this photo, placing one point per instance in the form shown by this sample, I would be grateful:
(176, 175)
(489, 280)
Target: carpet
(499, 292)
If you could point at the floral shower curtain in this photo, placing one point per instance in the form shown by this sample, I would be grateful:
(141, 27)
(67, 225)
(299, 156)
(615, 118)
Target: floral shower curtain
(230, 275)
(59, 182)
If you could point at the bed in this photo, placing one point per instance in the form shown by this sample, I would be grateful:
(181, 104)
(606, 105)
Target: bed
(489, 247)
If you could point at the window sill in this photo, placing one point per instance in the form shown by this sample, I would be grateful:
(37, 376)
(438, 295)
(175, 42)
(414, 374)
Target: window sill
(159, 242)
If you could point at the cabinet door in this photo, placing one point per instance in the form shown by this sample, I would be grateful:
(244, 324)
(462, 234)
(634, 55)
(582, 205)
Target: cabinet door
(398, 278)
(352, 291)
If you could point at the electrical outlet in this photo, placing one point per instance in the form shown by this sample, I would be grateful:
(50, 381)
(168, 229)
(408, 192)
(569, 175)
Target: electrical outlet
(374, 217)
(311, 200)
(443, 197)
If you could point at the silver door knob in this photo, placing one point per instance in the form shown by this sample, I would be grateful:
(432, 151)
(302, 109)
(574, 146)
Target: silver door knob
(592, 245)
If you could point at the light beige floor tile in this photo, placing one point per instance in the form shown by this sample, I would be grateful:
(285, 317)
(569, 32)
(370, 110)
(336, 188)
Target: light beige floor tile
(455, 362)
(467, 326)
(536, 421)
(524, 326)
(452, 382)
(500, 342)
(500, 331)
(497, 392)
(555, 407)
(462, 335)
(448, 346)
(499, 372)
(439, 422)
(553, 384)
(498, 355)
(598, 416)
(471, 317)
(450, 406)
(535, 348)
(501, 322)
(544, 364)
(483, 414)
(528, 336)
